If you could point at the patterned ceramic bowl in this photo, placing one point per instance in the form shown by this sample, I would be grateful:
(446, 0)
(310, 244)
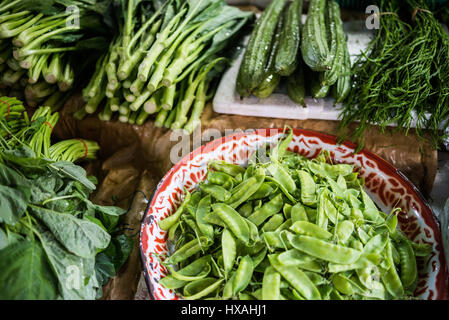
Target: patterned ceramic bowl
(385, 184)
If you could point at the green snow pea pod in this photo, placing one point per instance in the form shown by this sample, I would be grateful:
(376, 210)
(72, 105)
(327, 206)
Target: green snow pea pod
(218, 192)
(228, 288)
(344, 230)
(233, 220)
(276, 240)
(354, 202)
(229, 168)
(392, 223)
(331, 212)
(190, 270)
(376, 244)
(202, 211)
(409, 270)
(193, 203)
(284, 226)
(253, 231)
(370, 212)
(220, 178)
(316, 278)
(294, 257)
(243, 275)
(297, 279)
(189, 249)
(362, 262)
(325, 250)
(201, 288)
(312, 266)
(355, 244)
(213, 218)
(171, 283)
(321, 217)
(308, 188)
(238, 178)
(298, 213)
(271, 284)
(174, 218)
(343, 284)
(287, 210)
(259, 257)
(257, 294)
(247, 189)
(229, 249)
(192, 224)
(334, 186)
(283, 189)
(172, 231)
(264, 191)
(357, 216)
(338, 169)
(335, 295)
(273, 223)
(310, 229)
(363, 236)
(311, 214)
(267, 210)
(279, 150)
(389, 276)
(245, 296)
(341, 182)
(279, 173)
(246, 209)
(180, 276)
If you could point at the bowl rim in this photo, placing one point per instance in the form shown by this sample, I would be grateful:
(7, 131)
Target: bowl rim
(430, 217)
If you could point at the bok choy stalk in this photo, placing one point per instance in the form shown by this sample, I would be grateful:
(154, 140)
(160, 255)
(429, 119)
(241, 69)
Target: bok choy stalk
(42, 41)
(159, 49)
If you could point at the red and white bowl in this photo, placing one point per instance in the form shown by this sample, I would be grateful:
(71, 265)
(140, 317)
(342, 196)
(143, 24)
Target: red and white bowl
(385, 184)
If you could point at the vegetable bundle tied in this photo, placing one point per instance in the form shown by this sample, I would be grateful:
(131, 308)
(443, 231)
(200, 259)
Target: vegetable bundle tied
(43, 45)
(163, 61)
(48, 225)
(403, 77)
(287, 227)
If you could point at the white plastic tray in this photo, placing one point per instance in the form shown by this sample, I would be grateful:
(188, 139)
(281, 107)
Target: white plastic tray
(279, 105)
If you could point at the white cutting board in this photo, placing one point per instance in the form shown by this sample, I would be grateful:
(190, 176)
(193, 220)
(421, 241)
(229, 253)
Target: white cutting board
(279, 105)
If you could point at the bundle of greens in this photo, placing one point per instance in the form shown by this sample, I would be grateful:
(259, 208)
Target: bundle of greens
(54, 242)
(163, 61)
(403, 77)
(45, 45)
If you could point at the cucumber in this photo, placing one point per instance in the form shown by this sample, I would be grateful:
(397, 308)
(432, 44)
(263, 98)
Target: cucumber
(296, 88)
(314, 43)
(318, 91)
(271, 79)
(254, 63)
(343, 87)
(286, 57)
(338, 41)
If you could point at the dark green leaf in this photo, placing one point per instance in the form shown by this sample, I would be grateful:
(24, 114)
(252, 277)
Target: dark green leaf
(104, 268)
(13, 204)
(75, 274)
(25, 273)
(72, 171)
(81, 237)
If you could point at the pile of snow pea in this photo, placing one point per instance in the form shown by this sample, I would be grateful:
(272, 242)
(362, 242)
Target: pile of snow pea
(286, 227)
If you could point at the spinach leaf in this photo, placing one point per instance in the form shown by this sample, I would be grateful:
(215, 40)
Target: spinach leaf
(81, 237)
(3, 239)
(13, 204)
(25, 274)
(76, 275)
(72, 171)
(11, 178)
(26, 159)
(104, 268)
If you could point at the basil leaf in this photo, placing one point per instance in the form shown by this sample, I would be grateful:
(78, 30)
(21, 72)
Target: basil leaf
(25, 274)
